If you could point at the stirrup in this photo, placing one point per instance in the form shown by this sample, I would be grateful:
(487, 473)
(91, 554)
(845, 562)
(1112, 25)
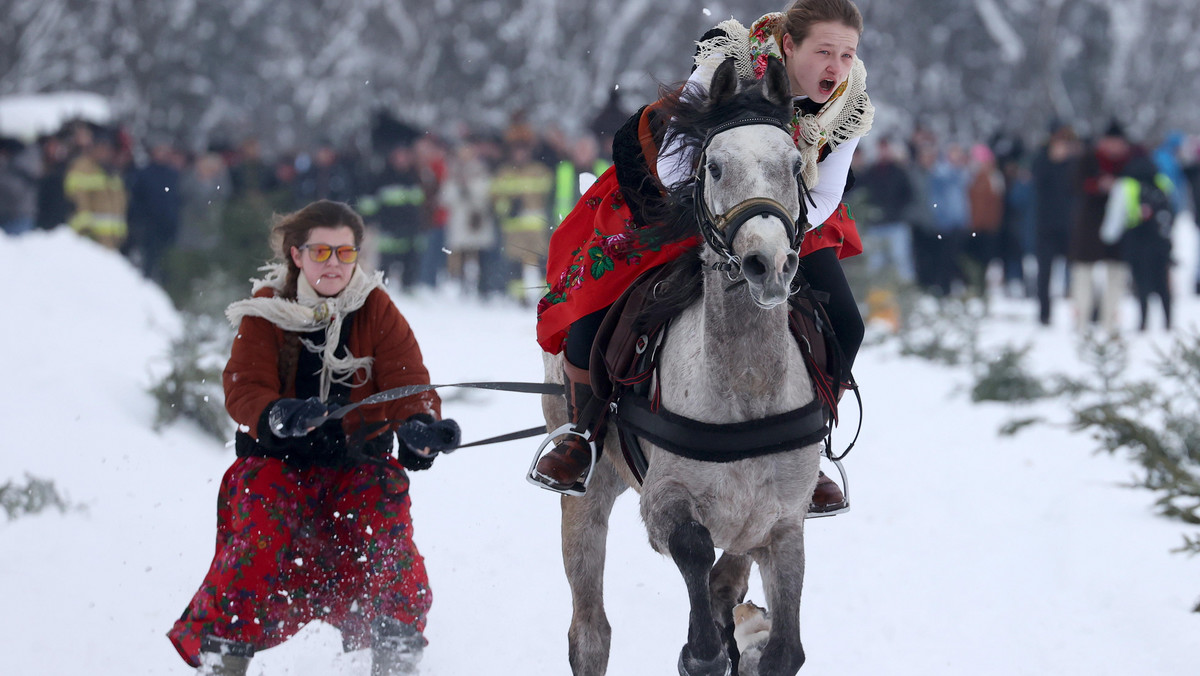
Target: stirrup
(845, 505)
(580, 486)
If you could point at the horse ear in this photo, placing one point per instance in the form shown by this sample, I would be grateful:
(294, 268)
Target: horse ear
(777, 86)
(724, 83)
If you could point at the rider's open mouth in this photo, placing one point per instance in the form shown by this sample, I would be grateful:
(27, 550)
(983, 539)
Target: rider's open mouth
(826, 85)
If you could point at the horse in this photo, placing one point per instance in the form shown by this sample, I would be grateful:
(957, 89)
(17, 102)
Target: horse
(728, 358)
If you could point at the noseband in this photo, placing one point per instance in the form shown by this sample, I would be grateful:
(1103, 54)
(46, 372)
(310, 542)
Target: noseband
(719, 230)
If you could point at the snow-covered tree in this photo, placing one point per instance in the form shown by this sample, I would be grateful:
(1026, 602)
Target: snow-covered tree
(291, 72)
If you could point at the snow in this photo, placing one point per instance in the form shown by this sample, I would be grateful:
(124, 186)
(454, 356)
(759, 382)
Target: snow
(26, 116)
(964, 553)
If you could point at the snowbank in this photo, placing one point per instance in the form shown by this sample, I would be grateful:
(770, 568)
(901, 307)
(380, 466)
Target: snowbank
(964, 553)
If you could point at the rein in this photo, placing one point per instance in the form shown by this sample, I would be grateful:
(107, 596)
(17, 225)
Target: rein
(409, 390)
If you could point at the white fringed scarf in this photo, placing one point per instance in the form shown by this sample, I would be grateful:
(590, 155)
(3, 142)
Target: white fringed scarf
(310, 312)
(846, 115)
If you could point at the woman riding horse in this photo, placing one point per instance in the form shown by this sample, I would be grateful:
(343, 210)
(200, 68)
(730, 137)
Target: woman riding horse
(605, 244)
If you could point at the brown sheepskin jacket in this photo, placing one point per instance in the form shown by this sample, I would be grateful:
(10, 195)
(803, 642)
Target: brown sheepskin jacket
(252, 375)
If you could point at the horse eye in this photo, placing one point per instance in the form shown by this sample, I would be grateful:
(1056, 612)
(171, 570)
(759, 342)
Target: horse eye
(714, 170)
(797, 167)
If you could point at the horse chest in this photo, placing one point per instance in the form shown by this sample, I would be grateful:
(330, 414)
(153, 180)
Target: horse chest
(741, 502)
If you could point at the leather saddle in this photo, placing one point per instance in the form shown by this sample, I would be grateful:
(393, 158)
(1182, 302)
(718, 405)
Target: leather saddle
(625, 354)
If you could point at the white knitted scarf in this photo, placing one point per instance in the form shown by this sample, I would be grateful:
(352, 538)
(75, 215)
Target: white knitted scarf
(310, 312)
(846, 115)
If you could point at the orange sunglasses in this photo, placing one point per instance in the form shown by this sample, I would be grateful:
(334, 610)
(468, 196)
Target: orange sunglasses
(320, 253)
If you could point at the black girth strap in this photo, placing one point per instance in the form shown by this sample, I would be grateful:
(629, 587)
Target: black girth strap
(722, 442)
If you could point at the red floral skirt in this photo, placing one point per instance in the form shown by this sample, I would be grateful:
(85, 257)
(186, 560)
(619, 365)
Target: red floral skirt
(593, 257)
(296, 545)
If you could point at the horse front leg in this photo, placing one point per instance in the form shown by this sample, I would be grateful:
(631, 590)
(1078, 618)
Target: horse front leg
(584, 540)
(782, 569)
(691, 546)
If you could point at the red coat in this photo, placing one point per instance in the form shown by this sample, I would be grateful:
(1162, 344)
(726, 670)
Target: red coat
(378, 330)
(593, 258)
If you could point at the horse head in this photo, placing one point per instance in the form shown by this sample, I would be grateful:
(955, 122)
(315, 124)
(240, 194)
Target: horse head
(748, 205)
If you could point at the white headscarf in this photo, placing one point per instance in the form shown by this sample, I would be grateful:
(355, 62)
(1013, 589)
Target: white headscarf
(311, 311)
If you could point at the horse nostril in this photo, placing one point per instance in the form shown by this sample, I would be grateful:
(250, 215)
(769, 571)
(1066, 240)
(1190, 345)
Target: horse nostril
(793, 262)
(754, 267)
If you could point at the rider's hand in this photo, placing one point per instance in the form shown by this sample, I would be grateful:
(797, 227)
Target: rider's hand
(290, 417)
(422, 438)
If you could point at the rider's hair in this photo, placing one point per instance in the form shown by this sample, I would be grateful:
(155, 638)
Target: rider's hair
(291, 230)
(800, 17)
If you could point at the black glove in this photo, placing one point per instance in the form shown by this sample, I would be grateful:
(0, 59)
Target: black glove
(421, 432)
(289, 417)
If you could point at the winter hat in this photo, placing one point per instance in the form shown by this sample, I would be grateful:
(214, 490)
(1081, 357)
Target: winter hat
(981, 154)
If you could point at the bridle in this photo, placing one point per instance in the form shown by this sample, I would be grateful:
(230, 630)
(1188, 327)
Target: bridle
(719, 230)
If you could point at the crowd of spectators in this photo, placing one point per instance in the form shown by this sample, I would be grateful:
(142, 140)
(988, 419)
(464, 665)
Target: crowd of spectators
(1002, 217)
(475, 209)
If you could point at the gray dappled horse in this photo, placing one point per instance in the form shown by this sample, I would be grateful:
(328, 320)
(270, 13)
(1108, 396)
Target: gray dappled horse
(728, 357)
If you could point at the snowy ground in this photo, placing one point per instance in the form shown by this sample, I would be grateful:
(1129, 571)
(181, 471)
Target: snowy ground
(965, 553)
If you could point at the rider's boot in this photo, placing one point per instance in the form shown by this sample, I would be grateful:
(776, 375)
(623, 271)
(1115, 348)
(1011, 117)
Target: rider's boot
(396, 648)
(827, 497)
(562, 467)
(223, 657)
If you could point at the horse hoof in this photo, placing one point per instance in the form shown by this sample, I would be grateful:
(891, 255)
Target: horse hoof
(690, 666)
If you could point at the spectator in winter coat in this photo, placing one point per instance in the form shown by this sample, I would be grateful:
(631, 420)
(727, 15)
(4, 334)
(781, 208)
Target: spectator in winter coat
(574, 174)
(521, 193)
(95, 189)
(1138, 218)
(53, 207)
(471, 224)
(985, 197)
(926, 245)
(431, 161)
(396, 205)
(155, 203)
(1017, 228)
(890, 191)
(948, 193)
(313, 523)
(1055, 195)
(18, 190)
(252, 177)
(1089, 256)
(326, 178)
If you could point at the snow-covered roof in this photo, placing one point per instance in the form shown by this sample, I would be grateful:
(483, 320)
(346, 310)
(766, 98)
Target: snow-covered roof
(26, 116)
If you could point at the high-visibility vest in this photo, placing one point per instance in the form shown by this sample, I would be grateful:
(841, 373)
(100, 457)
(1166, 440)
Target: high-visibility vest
(1133, 197)
(568, 186)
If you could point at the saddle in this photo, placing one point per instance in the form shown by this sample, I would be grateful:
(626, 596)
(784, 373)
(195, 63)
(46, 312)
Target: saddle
(625, 356)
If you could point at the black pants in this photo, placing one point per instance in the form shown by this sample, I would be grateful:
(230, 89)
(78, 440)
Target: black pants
(1149, 261)
(1051, 246)
(822, 270)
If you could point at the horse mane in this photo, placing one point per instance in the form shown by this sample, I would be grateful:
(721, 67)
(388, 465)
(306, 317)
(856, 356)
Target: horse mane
(670, 215)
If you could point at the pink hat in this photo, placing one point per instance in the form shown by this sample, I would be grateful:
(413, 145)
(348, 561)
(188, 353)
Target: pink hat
(981, 154)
